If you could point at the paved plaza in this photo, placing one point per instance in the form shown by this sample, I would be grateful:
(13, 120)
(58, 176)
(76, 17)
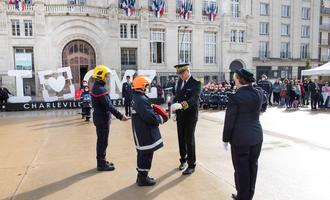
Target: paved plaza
(51, 155)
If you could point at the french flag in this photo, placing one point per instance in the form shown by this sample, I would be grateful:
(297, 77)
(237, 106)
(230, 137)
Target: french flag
(19, 5)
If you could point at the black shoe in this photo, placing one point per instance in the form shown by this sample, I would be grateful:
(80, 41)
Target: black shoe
(182, 166)
(234, 196)
(106, 167)
(87, 119)
(188, 171)
(144, 180)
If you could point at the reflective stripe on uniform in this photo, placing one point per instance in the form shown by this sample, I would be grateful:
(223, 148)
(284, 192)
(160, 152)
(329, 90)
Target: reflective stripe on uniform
(143, 170)
(138, 147)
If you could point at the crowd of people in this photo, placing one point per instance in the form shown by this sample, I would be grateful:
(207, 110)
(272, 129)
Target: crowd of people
(293, 94)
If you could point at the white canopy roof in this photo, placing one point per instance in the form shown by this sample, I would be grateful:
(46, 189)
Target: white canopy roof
(323, 70)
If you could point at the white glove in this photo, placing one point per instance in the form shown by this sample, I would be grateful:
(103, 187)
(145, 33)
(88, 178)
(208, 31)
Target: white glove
(173, 116)
(176, 106)
(225, 146)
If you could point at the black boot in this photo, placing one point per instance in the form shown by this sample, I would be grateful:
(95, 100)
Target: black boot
(145, 180)
(106, 167)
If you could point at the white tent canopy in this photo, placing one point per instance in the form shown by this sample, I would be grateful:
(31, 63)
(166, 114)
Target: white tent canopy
(323, 70)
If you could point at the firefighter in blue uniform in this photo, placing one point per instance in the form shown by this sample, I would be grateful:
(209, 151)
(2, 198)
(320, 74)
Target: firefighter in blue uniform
(102, 115)
(127, 95)
(185, 104)
(145, 122)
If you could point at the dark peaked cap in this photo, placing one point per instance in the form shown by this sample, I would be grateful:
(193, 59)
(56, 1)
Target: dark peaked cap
(246, 74)
(180, 68)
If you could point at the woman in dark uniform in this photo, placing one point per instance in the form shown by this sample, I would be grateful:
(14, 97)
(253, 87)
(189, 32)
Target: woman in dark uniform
(242, 129)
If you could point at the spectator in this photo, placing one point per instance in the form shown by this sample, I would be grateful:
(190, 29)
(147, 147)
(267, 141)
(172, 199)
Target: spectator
(159, 91)
(276, 92)
(315, 94)
(283, 93)
(321, 99)
(266, 85)
(326, 94)
(4, 95)
(307, 92)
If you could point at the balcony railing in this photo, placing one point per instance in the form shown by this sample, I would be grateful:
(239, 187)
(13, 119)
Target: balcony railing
(181, 18)
(325, 58)
(325, 10)
(325, 27)
(264, 54)
(325, 42)
(285, 55)
(135, 15)
(76, 9)
(27, 8)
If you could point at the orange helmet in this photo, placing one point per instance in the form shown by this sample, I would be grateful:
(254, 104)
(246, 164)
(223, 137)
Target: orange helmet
(141, 83)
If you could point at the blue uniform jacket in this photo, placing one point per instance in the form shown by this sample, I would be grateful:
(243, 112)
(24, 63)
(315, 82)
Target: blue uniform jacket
(242, 126)
(145, 124)
(102, 105)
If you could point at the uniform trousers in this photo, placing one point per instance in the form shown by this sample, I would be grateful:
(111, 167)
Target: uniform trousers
(245, 161)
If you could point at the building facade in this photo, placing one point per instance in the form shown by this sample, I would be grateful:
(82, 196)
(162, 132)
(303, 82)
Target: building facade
(276, 38)
(324, 50)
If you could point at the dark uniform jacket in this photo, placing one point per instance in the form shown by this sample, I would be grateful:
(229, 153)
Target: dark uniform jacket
(266, 86)
(145, 124)
(127, 91)
(102, 105)
(242, 126)
(190, 94)
(85, 98)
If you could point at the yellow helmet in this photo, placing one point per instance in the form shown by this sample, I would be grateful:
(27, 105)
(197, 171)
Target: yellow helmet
(141, 83)
(100, 72)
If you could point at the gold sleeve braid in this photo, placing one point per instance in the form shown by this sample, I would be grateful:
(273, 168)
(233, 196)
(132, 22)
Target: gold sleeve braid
(185, 105)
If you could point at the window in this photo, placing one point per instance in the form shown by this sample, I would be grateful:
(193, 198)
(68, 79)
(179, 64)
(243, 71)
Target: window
(15, 26)
(185, 46)
(285, 50)
(264, 28)
(133, 31)
(210, 47)
(233, 36)
(28, 27)
(208, 3)
(241, 36)
(304, 51)
(235, 9)
(305, 31)
(128, 56)
(285, 11)
(77, 2)
(285, 30)
(23, 59)
(264, 49)
(306, 13)
(157, 46)
(123, 30)
(264, 9)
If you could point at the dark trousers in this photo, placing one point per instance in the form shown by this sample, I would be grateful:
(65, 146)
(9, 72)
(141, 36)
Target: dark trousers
(276, 97)
(86, 112)
(186, 136)
(144, 161)
(314, 100)
(102, 143)
(269, 99)
(245, 161)
(128, 107)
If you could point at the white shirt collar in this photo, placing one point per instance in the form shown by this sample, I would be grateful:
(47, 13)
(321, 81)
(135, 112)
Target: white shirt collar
(187, 79)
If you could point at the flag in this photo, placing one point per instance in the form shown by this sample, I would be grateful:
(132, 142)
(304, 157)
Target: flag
(212, 11)
(185, 9)
(128, 6)
(19, 5)
(158, 7)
